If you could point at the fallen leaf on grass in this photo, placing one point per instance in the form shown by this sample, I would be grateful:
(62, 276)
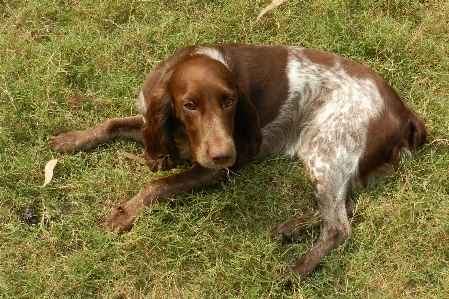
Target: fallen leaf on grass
(132, 157)
(88, 99)
(49, 171)
(272, 5)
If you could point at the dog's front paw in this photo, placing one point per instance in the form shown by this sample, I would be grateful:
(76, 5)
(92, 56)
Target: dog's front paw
(66, 142)
(120, 220)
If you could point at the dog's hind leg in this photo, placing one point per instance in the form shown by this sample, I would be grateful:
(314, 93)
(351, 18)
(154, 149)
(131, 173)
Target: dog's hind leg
(334, 228)
(332, 167)
(291, 230)
(126, 128)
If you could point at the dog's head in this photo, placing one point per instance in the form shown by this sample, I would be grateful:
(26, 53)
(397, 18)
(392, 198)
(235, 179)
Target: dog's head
(199, 105)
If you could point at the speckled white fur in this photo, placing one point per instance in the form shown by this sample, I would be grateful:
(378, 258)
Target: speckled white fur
(325, 119)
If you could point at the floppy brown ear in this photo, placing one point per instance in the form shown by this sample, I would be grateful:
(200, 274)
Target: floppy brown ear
(247, 134)
(161, 152)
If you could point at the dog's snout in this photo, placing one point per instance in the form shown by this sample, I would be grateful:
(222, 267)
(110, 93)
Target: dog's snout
(221, 155)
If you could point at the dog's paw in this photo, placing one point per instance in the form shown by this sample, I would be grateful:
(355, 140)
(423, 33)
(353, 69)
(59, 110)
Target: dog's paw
(289, 275)
(120, 220)
(281, 234)
(66, 142)
(291, 230)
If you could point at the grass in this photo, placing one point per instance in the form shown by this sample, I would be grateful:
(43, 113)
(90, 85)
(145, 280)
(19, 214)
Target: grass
(213, 243)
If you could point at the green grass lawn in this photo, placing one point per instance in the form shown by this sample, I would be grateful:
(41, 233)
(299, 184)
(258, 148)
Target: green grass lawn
(213, 243)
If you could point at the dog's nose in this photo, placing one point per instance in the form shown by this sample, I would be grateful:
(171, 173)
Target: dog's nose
(221, 156)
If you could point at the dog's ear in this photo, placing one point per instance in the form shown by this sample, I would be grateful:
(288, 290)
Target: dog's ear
(247, 134)
(161, 152)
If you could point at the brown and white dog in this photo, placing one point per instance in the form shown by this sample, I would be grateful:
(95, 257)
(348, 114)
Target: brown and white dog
(226, 105)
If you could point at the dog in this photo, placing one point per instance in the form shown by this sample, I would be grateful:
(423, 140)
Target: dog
(221, 106)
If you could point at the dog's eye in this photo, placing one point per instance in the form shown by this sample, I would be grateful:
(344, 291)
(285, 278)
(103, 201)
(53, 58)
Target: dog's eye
(229, 102)
(190, 106)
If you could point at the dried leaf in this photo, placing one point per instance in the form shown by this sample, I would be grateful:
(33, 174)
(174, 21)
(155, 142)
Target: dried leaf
(49, 170)
(272, 5)
(88, 99)
(132, 157)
